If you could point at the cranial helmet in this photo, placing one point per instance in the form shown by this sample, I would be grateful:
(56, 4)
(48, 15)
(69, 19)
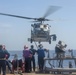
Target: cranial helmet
(59, 42)
(40, 46)
(32, 46)
(25, 46)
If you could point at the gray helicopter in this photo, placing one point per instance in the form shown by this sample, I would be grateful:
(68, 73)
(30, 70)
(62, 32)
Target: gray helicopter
(40, 32)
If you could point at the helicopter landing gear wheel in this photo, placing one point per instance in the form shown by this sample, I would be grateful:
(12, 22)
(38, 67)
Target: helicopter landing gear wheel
(49, 41)
(31, 41)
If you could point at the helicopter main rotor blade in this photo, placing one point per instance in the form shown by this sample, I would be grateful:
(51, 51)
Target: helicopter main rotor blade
(36, 19)
(16, 16)
(51, 10)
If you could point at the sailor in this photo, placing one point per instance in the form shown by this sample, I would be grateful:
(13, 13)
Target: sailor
(41, 56)
(7, 61)
(60, 53)
(27, 57)
(3, 60)
(33, 57)
(15, 63)
(59, 48)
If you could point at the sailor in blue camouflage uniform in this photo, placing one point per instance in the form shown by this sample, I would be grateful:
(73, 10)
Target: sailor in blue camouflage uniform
(3, 60)
(41, 56)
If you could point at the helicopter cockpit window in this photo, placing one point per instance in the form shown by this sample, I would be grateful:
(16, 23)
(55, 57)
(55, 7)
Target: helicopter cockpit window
(37, 27)
(46, 28)
(41, 26)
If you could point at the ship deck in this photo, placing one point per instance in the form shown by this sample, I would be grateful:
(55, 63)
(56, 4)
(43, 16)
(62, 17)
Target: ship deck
(54, 71)
(41, 74)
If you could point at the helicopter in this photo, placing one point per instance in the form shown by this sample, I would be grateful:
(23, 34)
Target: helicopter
(40, 32)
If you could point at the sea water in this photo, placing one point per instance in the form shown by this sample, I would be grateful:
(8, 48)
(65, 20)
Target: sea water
(51, 54)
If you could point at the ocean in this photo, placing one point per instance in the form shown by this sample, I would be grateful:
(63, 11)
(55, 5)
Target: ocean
(51, 54)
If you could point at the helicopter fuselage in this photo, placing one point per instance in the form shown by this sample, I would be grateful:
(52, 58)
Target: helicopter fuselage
(40, 32)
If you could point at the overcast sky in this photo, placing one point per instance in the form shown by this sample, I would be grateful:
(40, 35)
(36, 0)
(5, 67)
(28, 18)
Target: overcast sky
(14, 32)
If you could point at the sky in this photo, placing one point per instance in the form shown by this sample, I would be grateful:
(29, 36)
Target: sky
(14, 32)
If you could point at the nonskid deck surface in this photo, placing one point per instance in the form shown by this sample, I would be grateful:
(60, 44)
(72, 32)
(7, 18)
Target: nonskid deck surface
(29, 74)
(41, 74)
